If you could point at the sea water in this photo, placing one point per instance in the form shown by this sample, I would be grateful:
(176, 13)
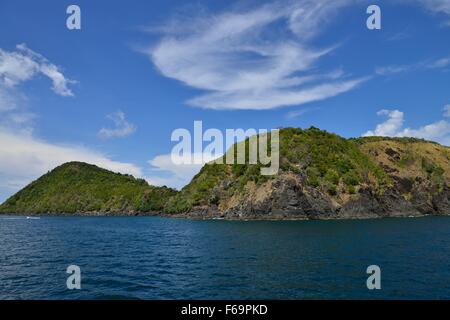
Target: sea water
(164, 258)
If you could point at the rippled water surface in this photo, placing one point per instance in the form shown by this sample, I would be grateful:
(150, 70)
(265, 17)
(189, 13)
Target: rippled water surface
(162, 258)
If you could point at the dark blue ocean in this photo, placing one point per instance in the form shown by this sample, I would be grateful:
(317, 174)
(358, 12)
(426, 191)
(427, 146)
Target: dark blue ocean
(163, 258)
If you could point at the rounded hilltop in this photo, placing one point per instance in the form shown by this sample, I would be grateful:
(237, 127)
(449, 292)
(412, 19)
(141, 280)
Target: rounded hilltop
(82, 188)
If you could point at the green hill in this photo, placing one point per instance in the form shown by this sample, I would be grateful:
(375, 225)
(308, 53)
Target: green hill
(77, 187)
(321, 176)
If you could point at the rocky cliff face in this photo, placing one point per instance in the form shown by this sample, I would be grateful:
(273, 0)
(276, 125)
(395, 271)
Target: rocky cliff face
(288, 197)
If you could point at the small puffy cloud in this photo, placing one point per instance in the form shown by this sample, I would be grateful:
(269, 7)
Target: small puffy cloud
(390, 127)
(122, 127)
(393, 127)
(23, 64)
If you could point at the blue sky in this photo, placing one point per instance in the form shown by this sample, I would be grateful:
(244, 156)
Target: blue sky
(113, 92)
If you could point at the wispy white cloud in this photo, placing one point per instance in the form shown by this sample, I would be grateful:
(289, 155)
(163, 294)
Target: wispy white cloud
(392, 69)
(273, 98)
(438, 6)
(437, 131)
(440, 63)
(16, 68)
(402, 35)
(298, 113)
(7, 100)
(122, 127)
(253, 59)
(430, 64)
(262, 58)
(23, 64)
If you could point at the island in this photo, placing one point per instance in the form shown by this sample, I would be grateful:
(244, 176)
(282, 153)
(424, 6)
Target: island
(322, 176)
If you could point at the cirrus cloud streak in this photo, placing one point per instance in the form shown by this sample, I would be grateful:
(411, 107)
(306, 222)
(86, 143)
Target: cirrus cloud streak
(255, 59)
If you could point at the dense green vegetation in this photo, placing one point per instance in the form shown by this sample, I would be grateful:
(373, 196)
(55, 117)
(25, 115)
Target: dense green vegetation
(326, 160)
(321, 160)
(199, 191)
(80, 187)
(363, 140)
